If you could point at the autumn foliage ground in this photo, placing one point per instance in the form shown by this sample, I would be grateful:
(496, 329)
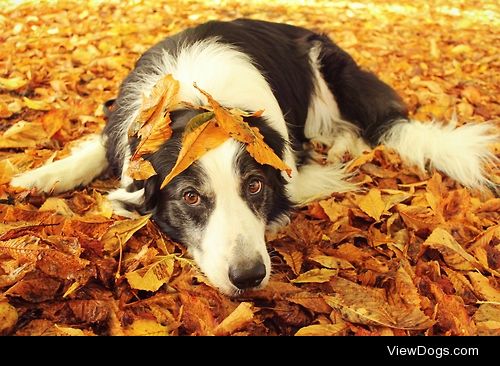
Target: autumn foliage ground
(410, 254)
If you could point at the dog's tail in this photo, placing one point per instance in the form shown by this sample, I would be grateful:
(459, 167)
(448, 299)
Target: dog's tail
(86, 161)
(460, 152)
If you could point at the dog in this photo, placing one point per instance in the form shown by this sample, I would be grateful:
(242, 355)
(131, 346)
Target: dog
(310, 90)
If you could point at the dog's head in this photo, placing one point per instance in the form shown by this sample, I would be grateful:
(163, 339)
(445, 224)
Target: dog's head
(220, 206)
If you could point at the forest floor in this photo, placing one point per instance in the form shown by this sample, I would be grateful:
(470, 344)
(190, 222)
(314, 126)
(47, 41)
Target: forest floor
(413, 253)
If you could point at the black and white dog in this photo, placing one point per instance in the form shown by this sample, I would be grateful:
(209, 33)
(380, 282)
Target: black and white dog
(309, 89)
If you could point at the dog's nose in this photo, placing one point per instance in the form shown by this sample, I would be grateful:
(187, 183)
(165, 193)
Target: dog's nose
(247, 276)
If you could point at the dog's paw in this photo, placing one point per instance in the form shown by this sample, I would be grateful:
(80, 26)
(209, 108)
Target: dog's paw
(44, 179)
(346, 146)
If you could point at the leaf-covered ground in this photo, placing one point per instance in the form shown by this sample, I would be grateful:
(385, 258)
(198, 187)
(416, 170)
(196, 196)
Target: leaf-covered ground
(411, 254)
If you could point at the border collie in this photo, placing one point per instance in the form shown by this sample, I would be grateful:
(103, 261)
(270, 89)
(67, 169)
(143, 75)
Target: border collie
(309, 89)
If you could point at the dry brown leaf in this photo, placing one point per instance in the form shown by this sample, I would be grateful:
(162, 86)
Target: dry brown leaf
(487, 319)
(146, 327)
(58, 205)
(152, 277)
(194, 145)
(364, 305)
(316, 276)
(331, 262)
(198, 317)
(12, 83)
(453, 253)
(140, 169)
(451, 313)
(38, 105)
(241, 316)
(35, 290)
(121, 231)
(334, 210)
(23, 248)
(311, 301)
(7, 170)
(238, 129)
(338, 329)
(163, 98)
(483, 288)
(372, 204)
(22, 135)
(293, 259)
(8, 318)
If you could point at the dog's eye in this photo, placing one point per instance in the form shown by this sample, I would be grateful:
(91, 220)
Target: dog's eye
(192, 198)
(254, 186)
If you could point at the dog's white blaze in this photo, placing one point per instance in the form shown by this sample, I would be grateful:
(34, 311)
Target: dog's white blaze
(231, 220)
(460, 152)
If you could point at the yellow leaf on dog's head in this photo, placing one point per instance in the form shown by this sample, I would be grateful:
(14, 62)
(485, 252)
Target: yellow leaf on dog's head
(232, 122)
(140, 169)
(195, 144)
(163, 98)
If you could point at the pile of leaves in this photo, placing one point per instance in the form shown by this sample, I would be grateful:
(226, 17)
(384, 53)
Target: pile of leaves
(412, 253)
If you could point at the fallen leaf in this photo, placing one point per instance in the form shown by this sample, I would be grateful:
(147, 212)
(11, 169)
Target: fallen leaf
(331, 262)
(8, 318)
(241, 316)
(311, 301)
(22, 135)
(453, 253)
(487, 319)
(451, 313)
(292, 258)
(7, 171)
(58, 205)
(483, 288)
(194, 145)
(152, 277)
(315, 275)
(12, 83)
(67, 331)
(35, 290)
(163, 98)
(372, 204)
(333, 210)
(121, 231)
(140, 169)
(146, 327)
(38, 105)
(323, 330)
(238, 129)
(364, 305)
(153, 123)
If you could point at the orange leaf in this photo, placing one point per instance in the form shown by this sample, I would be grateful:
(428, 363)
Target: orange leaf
(372, 204)
(163, 98)
(237, 128)
(232, 123)
(140, 169)
(152, 125)
(194, 144)
(263, 154)
(153, 134)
